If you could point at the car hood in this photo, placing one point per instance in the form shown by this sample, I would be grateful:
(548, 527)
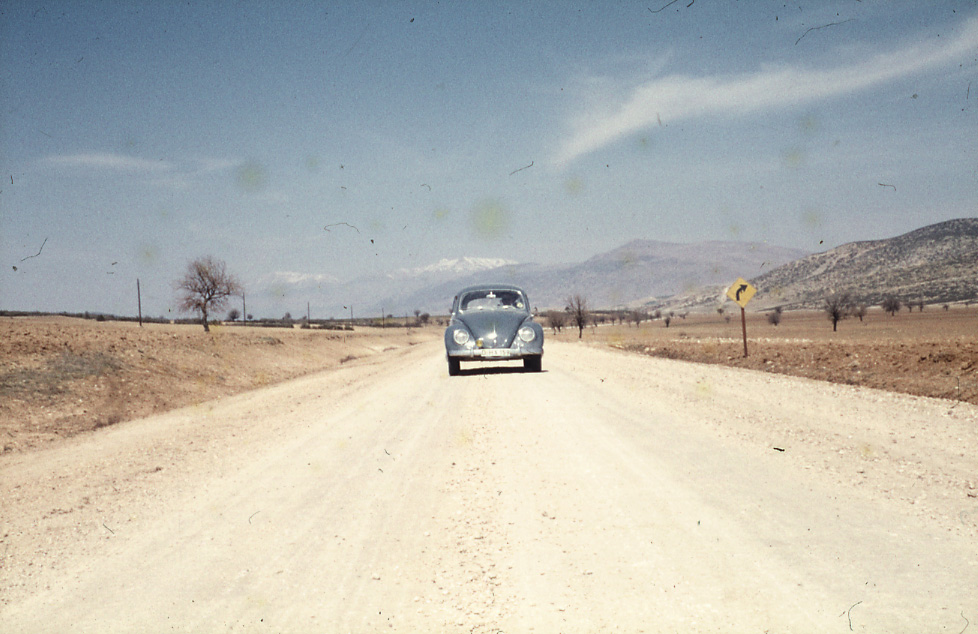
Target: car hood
(504, 323)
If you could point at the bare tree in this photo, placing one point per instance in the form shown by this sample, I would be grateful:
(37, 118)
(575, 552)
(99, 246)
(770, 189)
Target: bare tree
(774, 317)
(637, 316)
(667, 320)
(233, 314)
(424, 317)
(837, 307)
(578, 311)
(860, 311)
(206, 286)
(556, 319)
(891, 305)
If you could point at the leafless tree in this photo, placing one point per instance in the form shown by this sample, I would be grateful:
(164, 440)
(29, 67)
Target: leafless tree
(891, 305)
(860, 311)
(667, 320)
(578, 311)
(774, 317)
(233, 314)
(837, 308)
(424, 317)
(920, 306)
(206, 286)
(637, 317)
(556, 319)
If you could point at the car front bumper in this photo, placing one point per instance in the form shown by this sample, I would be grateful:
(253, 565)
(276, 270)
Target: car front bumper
(492, 354)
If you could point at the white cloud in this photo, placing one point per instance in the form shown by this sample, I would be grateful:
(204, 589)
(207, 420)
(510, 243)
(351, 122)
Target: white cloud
(207, 165)
(120, 162)
(116, 162)
(678, 97)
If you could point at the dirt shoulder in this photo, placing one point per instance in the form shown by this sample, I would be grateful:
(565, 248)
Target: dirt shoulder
(934, 353)
(60, 377)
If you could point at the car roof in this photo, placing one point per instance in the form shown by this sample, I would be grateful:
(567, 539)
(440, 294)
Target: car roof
(491, 287)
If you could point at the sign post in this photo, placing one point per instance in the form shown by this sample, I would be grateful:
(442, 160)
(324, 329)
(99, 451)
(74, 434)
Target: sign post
(741, 292)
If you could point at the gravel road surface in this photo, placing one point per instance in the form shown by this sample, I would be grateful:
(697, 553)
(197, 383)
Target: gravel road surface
(610, 493)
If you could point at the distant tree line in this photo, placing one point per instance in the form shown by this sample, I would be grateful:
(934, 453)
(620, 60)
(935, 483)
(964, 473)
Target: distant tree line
(578, 314)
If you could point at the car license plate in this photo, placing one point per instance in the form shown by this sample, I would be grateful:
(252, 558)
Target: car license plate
(495, 352)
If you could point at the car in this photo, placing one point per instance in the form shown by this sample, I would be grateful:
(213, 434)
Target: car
(493, 322)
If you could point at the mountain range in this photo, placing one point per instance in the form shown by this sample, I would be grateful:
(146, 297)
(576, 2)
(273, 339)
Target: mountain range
(937, 263)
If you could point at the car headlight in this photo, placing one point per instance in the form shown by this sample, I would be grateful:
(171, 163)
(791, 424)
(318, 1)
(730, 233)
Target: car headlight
(460, 337)
(526, 334)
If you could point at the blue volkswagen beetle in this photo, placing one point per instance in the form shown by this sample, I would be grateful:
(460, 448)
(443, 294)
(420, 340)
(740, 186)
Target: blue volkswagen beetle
(490, 323)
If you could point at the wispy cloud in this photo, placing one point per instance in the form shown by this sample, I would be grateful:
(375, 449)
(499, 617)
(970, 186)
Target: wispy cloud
(679, 97)
(123, 163)
(108, 161)
(207, 165)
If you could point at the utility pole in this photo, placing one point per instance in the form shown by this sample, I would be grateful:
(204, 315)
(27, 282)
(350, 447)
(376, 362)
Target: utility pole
(244, 308)
(139, 303)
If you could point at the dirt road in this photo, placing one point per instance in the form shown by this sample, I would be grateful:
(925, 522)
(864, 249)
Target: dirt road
(611, 493)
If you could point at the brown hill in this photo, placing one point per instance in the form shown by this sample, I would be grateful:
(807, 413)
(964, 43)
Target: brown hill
(934, 264)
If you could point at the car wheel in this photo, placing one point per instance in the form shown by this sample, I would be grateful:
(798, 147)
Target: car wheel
(533, 364)
(454, 366)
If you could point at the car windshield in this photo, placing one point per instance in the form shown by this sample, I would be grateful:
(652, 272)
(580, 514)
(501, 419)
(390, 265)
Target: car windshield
(493, 300)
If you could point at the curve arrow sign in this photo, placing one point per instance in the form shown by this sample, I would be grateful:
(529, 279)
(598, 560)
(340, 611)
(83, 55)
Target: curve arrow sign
(741, 292)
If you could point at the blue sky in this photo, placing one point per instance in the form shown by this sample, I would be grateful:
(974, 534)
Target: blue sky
(355, 138)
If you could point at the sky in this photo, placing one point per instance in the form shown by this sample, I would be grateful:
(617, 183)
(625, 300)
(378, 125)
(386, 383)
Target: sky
(335, 140)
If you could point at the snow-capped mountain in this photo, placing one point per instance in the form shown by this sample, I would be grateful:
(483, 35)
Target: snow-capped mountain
(293, 278)
(393, 293)
(455, 266)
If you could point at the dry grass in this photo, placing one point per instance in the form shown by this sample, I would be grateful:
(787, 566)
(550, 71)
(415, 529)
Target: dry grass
(61, 376)
(55, 375)
(934, 353)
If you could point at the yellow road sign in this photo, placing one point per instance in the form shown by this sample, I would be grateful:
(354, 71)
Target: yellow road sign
(741, 292)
